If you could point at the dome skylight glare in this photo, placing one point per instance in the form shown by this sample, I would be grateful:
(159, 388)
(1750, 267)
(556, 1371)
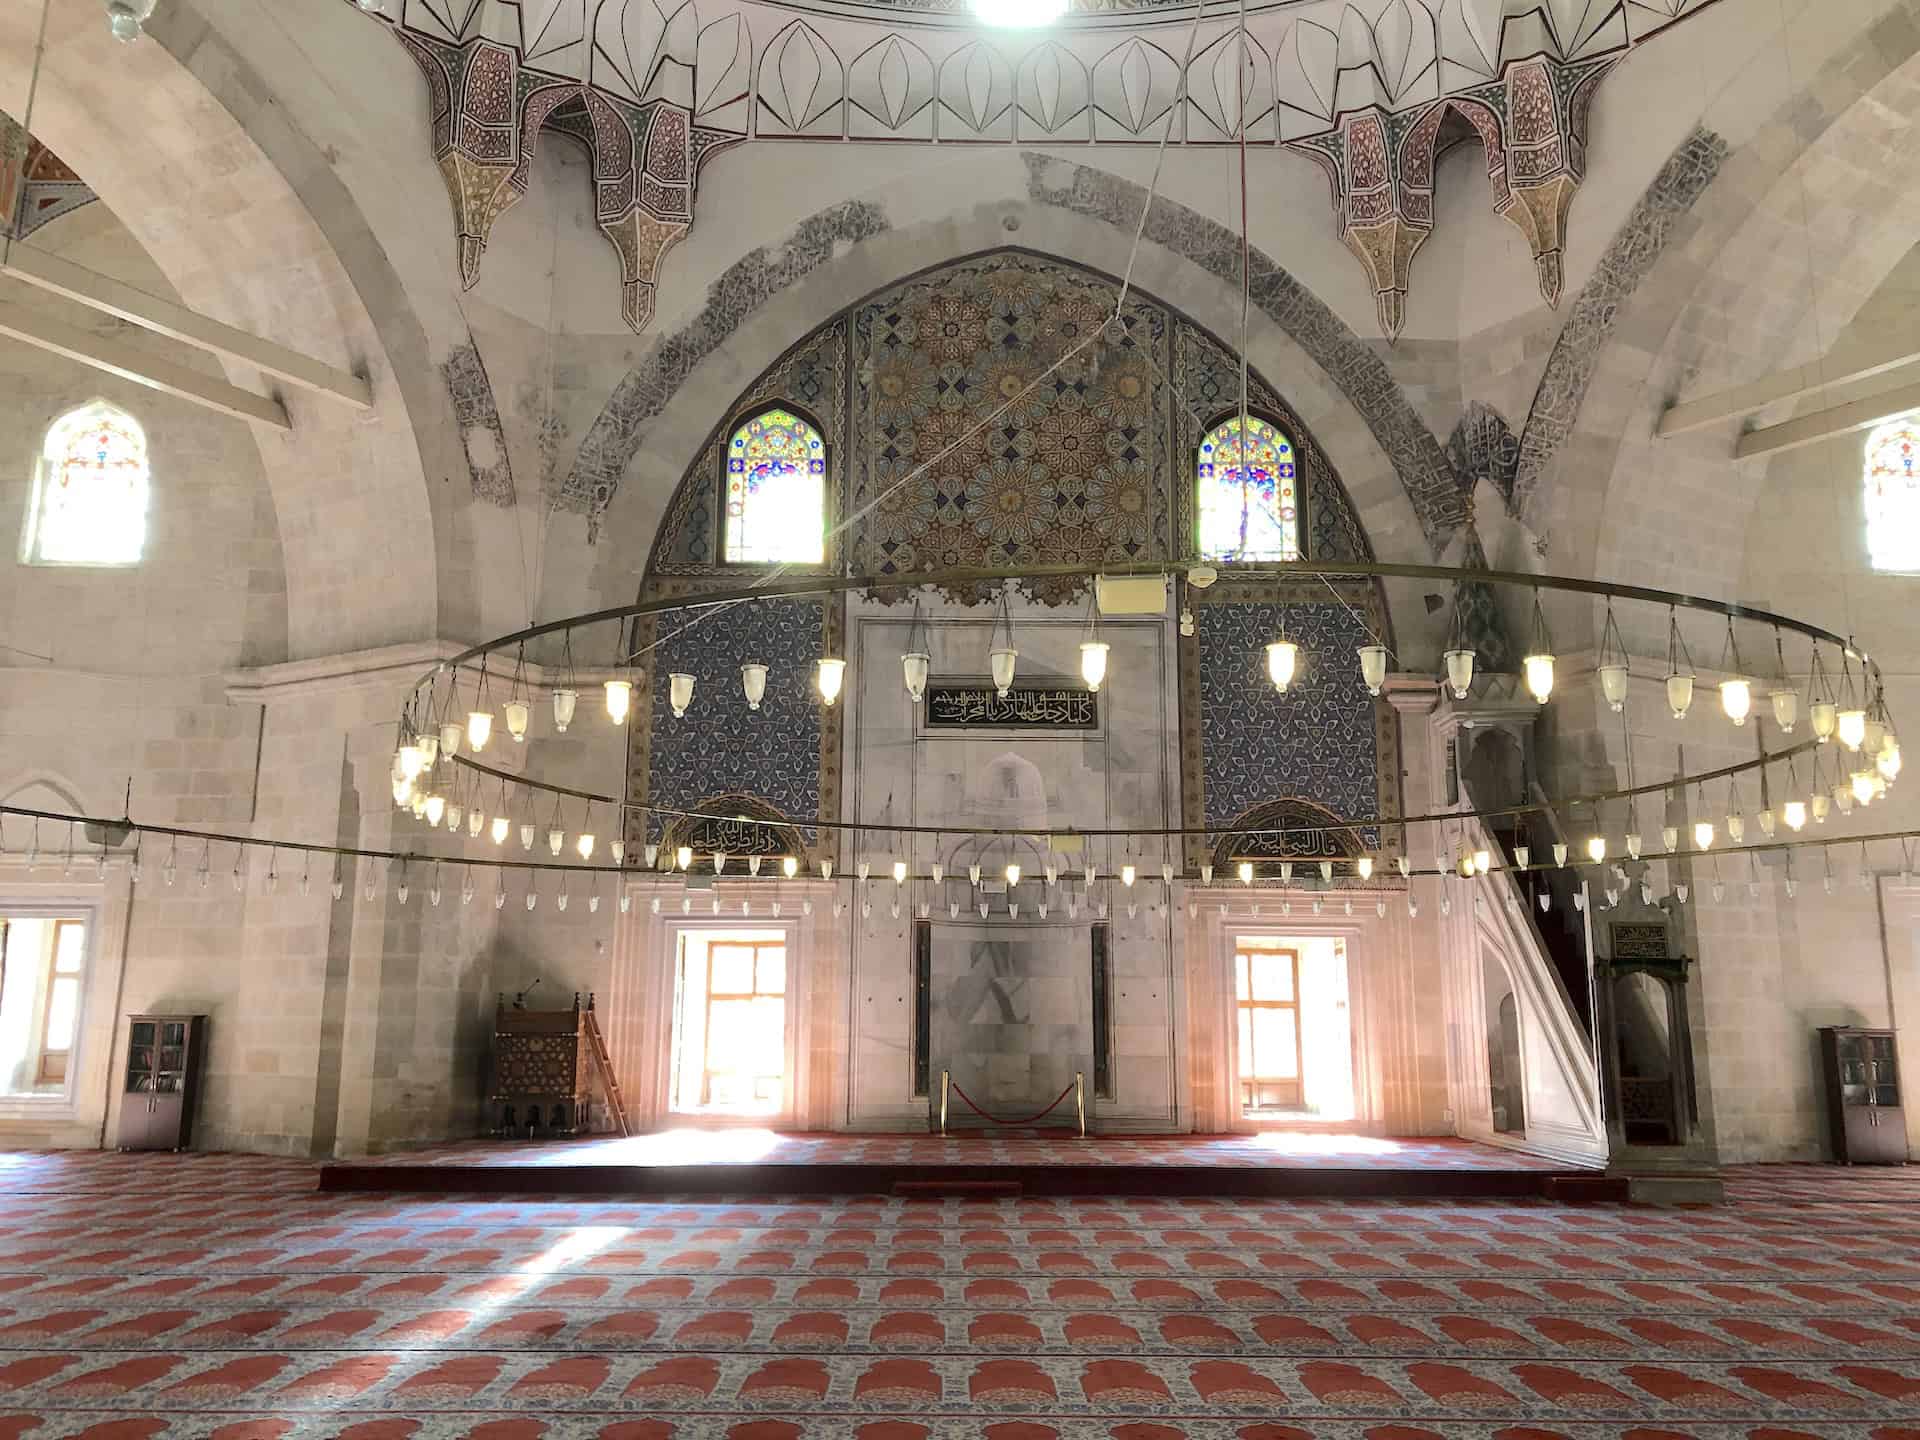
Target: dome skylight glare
(1019, 14)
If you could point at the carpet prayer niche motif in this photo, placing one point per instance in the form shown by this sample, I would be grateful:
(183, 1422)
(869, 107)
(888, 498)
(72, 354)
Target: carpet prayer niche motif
(221, 1298)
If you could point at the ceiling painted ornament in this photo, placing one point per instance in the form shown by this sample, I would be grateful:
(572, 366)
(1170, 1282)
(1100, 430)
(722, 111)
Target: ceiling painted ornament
(1371, 90)
(36, 185)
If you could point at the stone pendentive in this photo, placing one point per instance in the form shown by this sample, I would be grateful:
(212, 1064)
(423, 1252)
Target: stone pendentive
(1372, 100)
(488, 109)
(1532, 123)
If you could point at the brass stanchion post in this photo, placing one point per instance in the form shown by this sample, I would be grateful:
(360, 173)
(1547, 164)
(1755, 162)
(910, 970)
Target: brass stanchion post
(1080, 1099)
(944, 1076)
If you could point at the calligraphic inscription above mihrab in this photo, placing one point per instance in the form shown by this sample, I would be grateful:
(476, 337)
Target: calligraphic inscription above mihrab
(972, 707)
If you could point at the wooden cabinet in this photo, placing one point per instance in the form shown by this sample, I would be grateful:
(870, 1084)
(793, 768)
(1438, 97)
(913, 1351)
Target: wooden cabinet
(161, 1081)
(1865, 1104)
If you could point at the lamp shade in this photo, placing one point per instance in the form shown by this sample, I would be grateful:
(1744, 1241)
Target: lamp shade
(584, 844)
(899, 872)
(1093, 662)
(1246, 872)
(789, 866)
(679, 692)
(1283, 662)
(565, 702)
(1679, 695)
(1560, 853)
(1852, 728)
(619, 700)
(619, 849)
(829, 675)
(527, 833)
(1613, 685)
(1363, 867)
(1633, 844)
(479, 729)
(1794, 813)
(1861, 784)
(1820, 804)
(753, 683)
(476, 822)
(556, 837)
(1786, 710)
(1597, 848)
(1703, 834)
(1128, 874)
(498, 830)
(451, 734)
(1670, 839)
(1013, 874)
(1373, 667)
(1768, 823)
(1483, 860)
(1003, 658)
(683, 857)
(1825, 718)
(518, 714)
(1539, 670)
(1736, 699)
(1736, 827)
(1876, 734)
(435, 809)
(412, 760)
(914, 664)
(1521, 856)
(1460, 672)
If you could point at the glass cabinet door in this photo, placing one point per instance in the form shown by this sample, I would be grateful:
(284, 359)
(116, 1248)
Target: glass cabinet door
(142, 1052)
(1852, 1053)
(1882, 1081)
(171, 1066)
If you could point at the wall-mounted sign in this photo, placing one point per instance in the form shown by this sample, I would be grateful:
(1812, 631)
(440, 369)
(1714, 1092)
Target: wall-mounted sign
(979, 707)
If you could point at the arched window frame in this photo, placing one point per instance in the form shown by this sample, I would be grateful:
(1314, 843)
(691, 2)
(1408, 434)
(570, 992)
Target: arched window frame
(44, 540)
(1890, 480)
(1202, 478)
(730, 520)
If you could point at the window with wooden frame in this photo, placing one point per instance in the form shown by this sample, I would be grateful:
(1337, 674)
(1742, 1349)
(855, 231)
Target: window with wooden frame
(1267, 992)
(43, 962)
(746, 1022)
(61, 1018)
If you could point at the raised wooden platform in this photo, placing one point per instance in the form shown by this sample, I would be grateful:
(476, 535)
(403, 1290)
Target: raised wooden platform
(749, 1162)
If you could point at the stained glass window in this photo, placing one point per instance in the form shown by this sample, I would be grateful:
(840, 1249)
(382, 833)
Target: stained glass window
(1248, 493)
(776, 492)
(1893, 495)
(90, 490)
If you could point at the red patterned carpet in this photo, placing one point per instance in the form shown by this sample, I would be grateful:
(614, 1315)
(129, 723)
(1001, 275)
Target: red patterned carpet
(219, 1296)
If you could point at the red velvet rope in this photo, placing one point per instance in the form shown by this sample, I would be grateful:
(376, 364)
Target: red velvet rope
(995, 1119)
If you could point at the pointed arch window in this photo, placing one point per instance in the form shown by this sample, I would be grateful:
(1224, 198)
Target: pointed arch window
(776, 492)
(89, 504)
(1248, 492)
(1893, 495)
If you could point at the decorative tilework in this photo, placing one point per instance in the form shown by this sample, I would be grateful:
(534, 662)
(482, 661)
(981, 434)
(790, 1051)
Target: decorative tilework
(746, 285)
(1075, 471)
(1359, 373)
(721, 747)
(809, 377)
(1321, 741)
(1583, 339)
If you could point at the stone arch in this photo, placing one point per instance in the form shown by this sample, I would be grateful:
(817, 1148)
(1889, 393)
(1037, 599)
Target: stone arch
(817, 360)
(660, 414)
(311, 278)
(1590, 463)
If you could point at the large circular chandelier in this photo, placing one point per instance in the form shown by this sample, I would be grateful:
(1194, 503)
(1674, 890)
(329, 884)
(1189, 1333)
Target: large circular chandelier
(453, 714)
(1835, 747)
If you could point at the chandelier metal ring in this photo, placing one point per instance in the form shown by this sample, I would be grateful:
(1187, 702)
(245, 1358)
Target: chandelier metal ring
(955, 580)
